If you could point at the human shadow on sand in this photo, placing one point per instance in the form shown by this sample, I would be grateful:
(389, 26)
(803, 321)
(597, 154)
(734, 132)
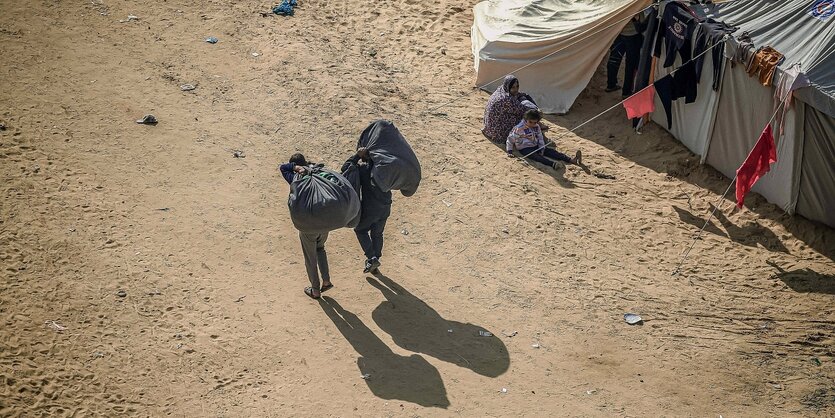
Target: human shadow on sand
(415, 326)
(389, 375)
(806, 280)
(749, 235)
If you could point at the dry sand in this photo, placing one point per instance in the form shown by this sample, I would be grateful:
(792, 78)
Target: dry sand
(213, 322)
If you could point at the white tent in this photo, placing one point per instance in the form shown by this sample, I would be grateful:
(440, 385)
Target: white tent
(556, 43)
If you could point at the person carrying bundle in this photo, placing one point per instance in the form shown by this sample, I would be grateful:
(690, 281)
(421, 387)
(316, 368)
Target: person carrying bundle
(320, 201)
(384, 161)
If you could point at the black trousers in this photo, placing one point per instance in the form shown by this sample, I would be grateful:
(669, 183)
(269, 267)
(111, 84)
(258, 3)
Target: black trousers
(628, 47)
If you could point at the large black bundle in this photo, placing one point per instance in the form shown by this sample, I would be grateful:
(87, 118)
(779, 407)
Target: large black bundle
(322, 200)
(396, 167)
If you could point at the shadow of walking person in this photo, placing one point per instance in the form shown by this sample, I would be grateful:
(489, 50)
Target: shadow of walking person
(390, 376)
(417, 327)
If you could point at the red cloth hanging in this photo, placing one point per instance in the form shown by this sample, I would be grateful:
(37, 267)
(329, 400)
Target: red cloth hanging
(756, 165)
(640, 103)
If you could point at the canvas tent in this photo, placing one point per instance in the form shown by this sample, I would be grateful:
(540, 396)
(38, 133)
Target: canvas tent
(720, 126)
(558, 42)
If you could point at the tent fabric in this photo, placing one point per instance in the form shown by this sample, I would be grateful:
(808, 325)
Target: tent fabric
(790, 27)
(510, 34)
(817, 179)
(745, 106)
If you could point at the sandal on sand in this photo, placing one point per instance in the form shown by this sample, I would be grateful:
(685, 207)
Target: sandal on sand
(578, 158)
(325, 288)
(309, 292)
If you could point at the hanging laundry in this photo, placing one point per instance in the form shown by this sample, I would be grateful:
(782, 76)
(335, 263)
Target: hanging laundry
(742, 50)
(710, 35)
(763, 63)
(756, 165)
(790, 80)
(677, 26)
(640, 103)
(664, 88)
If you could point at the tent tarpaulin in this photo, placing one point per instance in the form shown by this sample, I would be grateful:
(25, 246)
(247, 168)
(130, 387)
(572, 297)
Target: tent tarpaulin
(569, 37)
(817, 179)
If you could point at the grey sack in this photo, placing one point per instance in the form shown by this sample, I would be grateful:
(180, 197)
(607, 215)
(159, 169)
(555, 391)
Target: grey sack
(322, 200)
(396, 167)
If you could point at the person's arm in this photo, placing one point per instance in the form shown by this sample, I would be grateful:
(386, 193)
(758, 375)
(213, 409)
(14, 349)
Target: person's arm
(288, 171)
(511, 142)
(354, 159)
(540, 139)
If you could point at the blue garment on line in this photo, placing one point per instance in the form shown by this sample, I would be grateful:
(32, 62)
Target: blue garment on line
(285, 8)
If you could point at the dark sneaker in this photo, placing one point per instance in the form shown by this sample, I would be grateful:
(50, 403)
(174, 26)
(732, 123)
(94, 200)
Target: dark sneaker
(372, 265)
(610, 89)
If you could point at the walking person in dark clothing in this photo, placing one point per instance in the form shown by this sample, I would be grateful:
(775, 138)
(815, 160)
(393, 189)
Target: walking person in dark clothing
(628, 45)
(375, 208)
(313, 244)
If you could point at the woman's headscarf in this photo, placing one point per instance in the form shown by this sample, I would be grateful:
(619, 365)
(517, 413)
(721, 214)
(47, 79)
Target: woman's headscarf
(502, 112)
(508, 82)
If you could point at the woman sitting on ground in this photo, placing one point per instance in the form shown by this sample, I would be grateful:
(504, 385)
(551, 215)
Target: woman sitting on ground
(528, 139)
(504, 109)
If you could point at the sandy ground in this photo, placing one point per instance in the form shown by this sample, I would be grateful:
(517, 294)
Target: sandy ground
(211, 320)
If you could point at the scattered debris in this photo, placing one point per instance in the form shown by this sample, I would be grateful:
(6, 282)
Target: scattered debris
(285, 8)
(154, 292)
(131, 18)
(591, 392)
(816, 361)
(148, 119)
(121, 294)
(504, 390)
(510, 334)
(535, 345)
(187, 87)
(238, 154)
(240, 299)
(483, 333)
(449, 330)
(365, 376)
(2, 126)
(98, 354)
(632, 319)
(255, 54)
(446, 203)
(601, 175)
(372, 52)
(212, 40)
(404, 232)
(164, 209)
(56, 326)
